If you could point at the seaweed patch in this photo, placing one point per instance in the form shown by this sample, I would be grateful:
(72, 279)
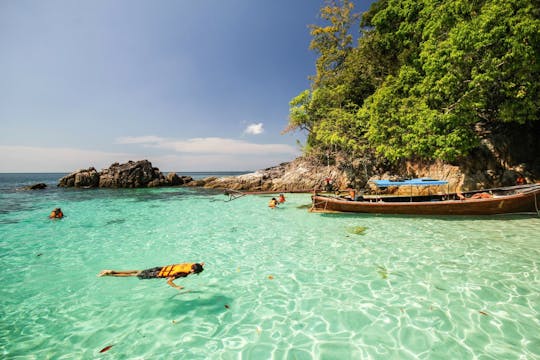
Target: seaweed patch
(383, 272)
(358, 230)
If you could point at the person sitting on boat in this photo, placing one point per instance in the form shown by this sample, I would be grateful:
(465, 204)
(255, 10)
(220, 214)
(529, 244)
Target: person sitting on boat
(521, 180)
(352, 194)
(169, 272)
(273, 203)
(329, 186)
(56, 214)
(281, 198)
(482, 195)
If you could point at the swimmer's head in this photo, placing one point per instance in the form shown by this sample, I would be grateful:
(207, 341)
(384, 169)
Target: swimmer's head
(197, 268)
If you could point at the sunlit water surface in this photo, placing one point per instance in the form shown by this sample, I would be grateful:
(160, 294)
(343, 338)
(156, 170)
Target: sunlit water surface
(282, 284)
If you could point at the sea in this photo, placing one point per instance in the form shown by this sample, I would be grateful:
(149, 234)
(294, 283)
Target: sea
(280, 283)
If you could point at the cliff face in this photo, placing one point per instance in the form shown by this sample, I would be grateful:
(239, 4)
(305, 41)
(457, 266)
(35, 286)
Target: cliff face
(485, 168)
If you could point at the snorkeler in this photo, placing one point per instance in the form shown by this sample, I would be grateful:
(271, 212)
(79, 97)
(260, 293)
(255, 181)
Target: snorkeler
(56, 214)
(169, 272)
(273, 203)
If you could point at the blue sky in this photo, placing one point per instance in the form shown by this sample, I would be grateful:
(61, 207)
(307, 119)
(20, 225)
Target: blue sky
(189, 85)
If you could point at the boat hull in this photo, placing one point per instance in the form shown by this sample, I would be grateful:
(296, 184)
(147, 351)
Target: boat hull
(505, 204)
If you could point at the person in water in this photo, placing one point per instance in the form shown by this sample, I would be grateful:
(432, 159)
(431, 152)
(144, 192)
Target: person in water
(169, 272)
(281, 198)
(56, 214)
(273, 203)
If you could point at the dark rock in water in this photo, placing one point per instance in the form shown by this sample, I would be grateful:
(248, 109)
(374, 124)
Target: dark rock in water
(174, 179)
(185, 179)
(81, 178)
(39, 186)
(133, 174)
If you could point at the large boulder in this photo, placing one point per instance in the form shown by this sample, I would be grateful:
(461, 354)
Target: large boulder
(38, 186)
(133, 174)
(81, 178)
(173, 179)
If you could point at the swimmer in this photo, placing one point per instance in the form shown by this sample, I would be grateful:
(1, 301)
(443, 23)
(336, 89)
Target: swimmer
(169, 272)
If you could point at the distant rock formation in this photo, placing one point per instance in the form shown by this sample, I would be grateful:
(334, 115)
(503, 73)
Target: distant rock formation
(133, 174)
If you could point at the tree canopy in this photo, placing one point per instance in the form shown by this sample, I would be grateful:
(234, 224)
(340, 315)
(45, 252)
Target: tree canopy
(424, 77)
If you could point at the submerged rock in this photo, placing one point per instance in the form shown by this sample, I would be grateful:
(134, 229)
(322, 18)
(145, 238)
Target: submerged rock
(39, 186)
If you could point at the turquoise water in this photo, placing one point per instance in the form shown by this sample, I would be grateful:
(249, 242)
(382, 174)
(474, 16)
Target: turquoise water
(278, 284)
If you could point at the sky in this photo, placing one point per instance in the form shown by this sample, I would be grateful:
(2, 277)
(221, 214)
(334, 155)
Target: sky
(189, 85)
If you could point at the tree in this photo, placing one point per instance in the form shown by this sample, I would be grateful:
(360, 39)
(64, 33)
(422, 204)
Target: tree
(418, 85)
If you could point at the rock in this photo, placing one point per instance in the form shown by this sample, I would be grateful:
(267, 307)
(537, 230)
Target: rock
(133, 174)
(301, 174)
(39, 186)
(185, 179)
(81, 178)
(201, 182)
(173, 179)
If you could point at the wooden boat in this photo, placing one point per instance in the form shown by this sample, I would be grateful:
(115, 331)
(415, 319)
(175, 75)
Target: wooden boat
(504, 200)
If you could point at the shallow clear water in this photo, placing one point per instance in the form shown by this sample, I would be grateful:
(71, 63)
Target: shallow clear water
(283, 284)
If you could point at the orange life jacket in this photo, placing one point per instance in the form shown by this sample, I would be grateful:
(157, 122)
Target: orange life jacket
(175, 270)
(272, 203)
(56, 215)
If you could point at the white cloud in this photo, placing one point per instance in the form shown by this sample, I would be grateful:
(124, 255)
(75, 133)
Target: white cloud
(50, 159)
(254, 129)
(197, 154)
(209, 145)
(138, 139)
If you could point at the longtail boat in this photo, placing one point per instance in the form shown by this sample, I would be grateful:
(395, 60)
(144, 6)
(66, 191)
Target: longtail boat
(503, 200)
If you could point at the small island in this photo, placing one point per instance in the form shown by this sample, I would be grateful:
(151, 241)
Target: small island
(133, 174)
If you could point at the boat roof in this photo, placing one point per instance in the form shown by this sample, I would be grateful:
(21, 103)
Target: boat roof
(410, 182)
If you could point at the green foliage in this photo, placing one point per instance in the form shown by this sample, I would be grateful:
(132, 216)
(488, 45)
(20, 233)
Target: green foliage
(333, 42)
(424, 76)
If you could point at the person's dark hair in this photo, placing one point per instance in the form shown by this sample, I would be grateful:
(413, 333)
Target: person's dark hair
(197, 268)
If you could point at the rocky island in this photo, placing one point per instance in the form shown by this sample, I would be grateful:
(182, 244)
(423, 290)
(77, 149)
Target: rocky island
(133, 174)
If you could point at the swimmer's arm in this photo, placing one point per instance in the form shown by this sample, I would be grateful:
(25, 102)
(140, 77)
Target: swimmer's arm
(171, 283)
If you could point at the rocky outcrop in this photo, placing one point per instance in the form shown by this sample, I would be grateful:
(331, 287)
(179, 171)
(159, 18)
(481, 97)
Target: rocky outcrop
(133, 174)
(173, 179)
(81, 178)
(307, 173)
(38, 186)
(302, 174)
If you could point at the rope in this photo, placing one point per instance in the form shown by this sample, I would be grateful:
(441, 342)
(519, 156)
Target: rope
(315, 204)
(536, 205)
(234, 194)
